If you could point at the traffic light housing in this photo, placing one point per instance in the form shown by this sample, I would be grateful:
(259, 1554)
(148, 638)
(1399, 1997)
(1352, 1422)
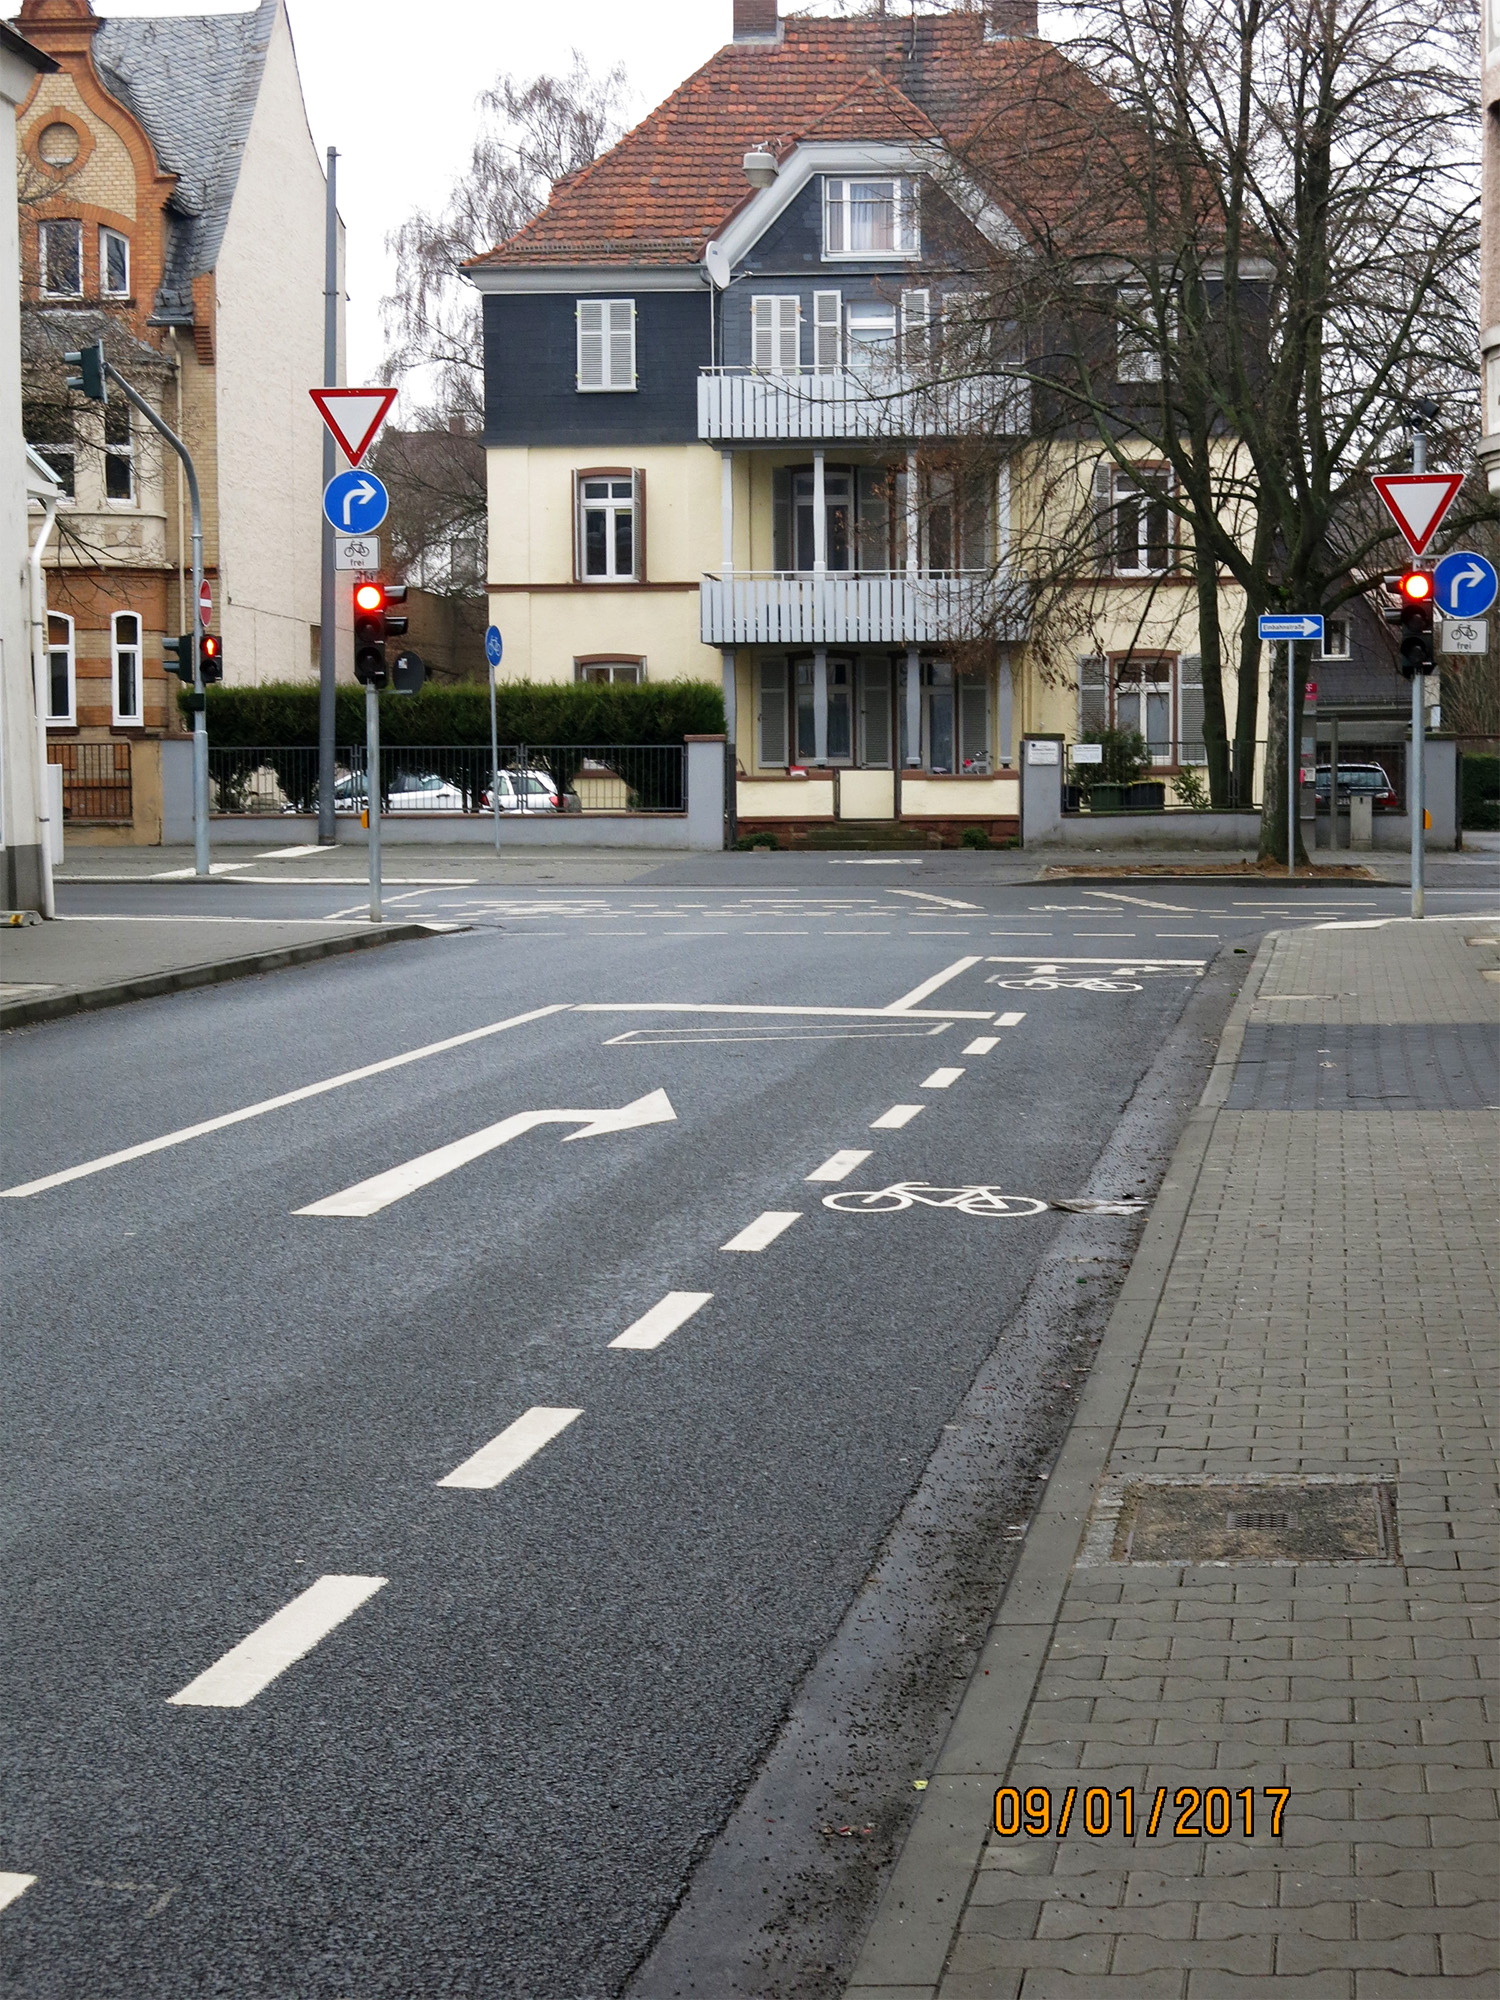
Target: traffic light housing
(177, 657)
(89, 361)
(395, 593)
(369, 633)
(409, 672)
(210, 657)
(1414, 622)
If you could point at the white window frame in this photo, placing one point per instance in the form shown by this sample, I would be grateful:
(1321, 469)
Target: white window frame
(629, 670)
(608, 369)
(44, 237)
(68, 718)
(106, 289)
(828, 332)
(610, 505)
(120, 452)
(122, 719)
(1326, 650)
(916, 327)
(1124, 486)
(838, 205)
(878, 355)
(776, 333)
(1137, 353)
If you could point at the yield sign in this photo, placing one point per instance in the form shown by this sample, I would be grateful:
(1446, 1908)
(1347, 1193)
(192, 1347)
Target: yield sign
(354, 416)
(1418, 501)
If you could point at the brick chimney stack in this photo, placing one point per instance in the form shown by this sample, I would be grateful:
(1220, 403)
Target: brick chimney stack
(1009, 20)
(756, 21)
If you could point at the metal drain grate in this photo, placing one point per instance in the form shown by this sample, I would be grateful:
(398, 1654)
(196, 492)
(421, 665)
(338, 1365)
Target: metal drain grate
(1332, 1520)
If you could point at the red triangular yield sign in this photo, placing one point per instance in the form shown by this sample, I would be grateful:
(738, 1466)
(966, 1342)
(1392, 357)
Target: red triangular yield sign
(354, 416)
(1418, 501)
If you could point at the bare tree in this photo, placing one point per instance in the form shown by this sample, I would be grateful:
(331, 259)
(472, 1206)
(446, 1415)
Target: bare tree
(1244, 243)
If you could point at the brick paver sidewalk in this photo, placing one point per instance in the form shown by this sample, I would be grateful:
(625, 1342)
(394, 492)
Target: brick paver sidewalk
(1314, 1314)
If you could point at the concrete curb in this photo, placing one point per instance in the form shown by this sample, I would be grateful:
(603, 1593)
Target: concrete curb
(87, 999)
(917, 1918)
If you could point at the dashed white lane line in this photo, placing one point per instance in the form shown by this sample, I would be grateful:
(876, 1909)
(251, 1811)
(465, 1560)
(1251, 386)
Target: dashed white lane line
(663, 1320)
(507, 1453)
(839, 1166)
(941, 1079)
(275, 1103)
(12, 1886)
(1009, 1020)
(765, 1229)
(981, 1045)
(895, 1118)
(271, 1648)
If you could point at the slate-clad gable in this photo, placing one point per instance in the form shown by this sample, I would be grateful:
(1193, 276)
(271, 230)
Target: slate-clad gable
(531, 382)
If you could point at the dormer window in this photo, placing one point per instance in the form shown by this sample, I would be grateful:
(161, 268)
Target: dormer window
(870, 218)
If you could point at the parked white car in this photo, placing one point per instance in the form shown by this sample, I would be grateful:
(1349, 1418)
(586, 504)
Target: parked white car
(540, 793)
(411, 791)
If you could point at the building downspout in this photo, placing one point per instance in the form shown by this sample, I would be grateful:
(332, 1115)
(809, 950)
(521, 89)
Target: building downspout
(39, 697)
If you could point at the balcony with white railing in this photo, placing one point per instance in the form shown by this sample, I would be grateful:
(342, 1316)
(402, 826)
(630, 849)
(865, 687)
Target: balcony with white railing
(879, 608)
(739, 403)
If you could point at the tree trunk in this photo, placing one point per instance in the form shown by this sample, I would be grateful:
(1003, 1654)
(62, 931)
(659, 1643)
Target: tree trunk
(1273, 814)
(1211, 647)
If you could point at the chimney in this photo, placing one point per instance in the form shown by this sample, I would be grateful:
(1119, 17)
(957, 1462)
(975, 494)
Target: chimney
(1010, 20)
(756, 21)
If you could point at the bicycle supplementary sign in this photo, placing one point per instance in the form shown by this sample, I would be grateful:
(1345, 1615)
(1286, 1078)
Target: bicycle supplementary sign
(973, 1200)
(1464, 585)
(356, 503)
(356, 552)
(1417, 502)
(354, 416)
(1290, 625)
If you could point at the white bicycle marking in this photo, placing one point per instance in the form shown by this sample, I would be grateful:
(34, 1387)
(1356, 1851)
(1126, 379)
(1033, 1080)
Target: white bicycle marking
(979, 1200)
(1043, 983)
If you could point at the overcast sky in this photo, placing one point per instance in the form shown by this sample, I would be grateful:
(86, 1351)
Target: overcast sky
(392, 84)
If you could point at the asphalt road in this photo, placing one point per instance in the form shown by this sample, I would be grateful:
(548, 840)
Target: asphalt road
(493, 1762)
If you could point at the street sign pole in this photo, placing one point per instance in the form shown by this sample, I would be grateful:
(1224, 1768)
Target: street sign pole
(1293, 752)
(328, 628)
(494, 652)
(372, 792)
(1416, 787)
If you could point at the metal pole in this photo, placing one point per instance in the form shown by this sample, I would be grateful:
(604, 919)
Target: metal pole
(1333, 782)
(372, 793)
(1291, 762)
(494, 759)
(328, 615)
(1416, 788)
(200, 719)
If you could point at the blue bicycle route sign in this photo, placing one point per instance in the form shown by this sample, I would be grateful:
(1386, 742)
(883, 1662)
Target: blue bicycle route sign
(494, 645)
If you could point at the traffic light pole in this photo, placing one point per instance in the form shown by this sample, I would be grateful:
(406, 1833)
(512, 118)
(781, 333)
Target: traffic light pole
(328, 614)
(372, 792)
(200, 719)
(1293, 760)
(1416, 777)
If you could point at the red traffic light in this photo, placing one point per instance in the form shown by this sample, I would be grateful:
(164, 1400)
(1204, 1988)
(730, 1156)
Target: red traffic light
(369, 596)
(1416, 586)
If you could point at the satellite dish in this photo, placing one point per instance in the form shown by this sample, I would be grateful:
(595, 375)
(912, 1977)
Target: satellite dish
(716, 263)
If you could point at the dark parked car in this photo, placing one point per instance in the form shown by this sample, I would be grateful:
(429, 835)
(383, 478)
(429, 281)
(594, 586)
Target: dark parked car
(1359, 780)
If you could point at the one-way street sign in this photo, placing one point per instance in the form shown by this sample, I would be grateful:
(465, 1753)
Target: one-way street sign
(1291, 625)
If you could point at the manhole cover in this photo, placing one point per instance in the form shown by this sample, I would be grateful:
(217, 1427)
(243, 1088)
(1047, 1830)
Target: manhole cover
(1243, 1521)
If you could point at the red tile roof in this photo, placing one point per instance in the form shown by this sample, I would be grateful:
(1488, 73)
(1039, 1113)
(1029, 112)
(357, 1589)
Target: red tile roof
(673, 182)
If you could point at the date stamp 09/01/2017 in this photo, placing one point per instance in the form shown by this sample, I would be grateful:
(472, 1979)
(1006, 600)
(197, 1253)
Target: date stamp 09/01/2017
(1193, 1814)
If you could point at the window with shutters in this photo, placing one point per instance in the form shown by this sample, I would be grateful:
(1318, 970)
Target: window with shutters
(772, 714)
(828, 332)
(606, 345)
(61, 683)
(1141, 691)
(609, 508)
(776, 334)
(125, 650)
(1190, 747)
(872, 341)
(1142, 525)
(870, 218)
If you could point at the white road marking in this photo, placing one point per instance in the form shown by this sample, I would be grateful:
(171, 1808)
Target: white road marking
(1009, 1020)
(818, 1013)
(271, 1648)
(186, 874)
(839, 1166)
(289, 853)
(919, 993)
(228, 1118)
(196, 917)
(860, 862)
(922, 896)
(1104, 934)
(765, 1229)
(12, 1886)
(981, 1045)
(1123, 960)
(369, 1197)
(896, 1117)
(1144, 902)
(1187, 934)
(664, 1318)
(941, 1079)
(503, 1455)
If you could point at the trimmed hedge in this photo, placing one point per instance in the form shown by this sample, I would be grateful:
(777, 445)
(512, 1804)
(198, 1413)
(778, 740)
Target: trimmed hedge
(1481, 800)
(286, 714)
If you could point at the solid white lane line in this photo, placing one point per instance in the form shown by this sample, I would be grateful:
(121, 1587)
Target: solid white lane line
(896, 1117)
(271, 1648)
(1143, 902)
(507, 1453)
(922, 896)
(275, 1103)
(664, 1318)
(1009, 1020)
(850, 1013)
(981, 1045)
(919, 993)
(12, 1886)
(765, 1229)
(839, 1165)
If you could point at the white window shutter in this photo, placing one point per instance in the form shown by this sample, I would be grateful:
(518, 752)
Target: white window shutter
(772, 714)
(833, 217)
(828, 322)
(762, 342)
(1093, 693)
(590, 344)
(788, 334)
(916, 313)
(621, 344)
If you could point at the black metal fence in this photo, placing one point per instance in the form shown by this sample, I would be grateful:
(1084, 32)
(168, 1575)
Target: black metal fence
(456, 778)
(96, 782)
